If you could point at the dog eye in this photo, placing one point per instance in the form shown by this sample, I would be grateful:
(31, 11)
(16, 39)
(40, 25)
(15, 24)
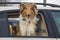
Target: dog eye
(32, 9)
(25, 8)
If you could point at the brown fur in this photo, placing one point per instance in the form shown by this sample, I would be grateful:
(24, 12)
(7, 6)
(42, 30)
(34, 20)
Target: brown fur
(28, 9)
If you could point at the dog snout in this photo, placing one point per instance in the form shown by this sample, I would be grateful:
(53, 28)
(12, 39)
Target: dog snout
(28, 15)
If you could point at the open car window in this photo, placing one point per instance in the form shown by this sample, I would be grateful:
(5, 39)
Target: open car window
(14, 25)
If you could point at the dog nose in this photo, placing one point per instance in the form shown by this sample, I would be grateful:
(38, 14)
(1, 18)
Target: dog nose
(24, 19)
(28, 16)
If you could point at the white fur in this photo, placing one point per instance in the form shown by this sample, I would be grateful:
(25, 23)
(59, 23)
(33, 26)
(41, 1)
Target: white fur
(27, 28)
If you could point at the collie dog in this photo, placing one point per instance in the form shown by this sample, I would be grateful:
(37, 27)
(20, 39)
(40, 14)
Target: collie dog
(28, 19)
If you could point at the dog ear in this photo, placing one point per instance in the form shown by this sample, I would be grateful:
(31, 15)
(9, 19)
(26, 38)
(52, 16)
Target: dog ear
(21, 7)
(34, 6)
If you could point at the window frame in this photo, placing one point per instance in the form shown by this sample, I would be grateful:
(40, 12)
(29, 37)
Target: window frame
(49, 23)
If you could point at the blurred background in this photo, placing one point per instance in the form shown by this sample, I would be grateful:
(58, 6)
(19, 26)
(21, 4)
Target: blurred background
(35, 1)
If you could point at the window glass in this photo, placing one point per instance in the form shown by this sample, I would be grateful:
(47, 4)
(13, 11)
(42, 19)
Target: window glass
(56, 17)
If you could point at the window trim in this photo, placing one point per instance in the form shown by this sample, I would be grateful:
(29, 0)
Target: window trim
(48, 23)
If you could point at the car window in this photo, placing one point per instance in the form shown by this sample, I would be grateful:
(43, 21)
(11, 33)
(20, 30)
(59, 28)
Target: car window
(56, 17)
(14, 25)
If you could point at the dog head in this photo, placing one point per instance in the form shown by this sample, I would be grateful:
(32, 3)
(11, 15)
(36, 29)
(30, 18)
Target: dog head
(28, 10)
